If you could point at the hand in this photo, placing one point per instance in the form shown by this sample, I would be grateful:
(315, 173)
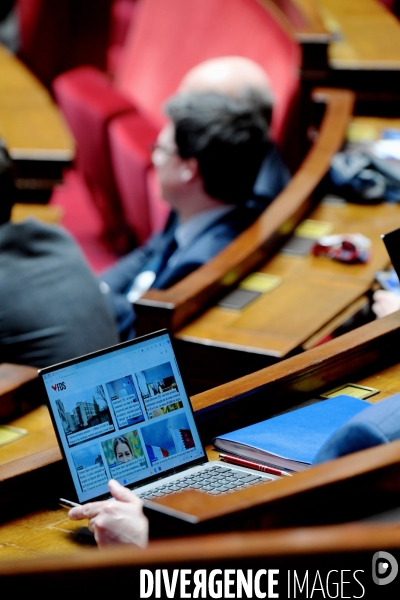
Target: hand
(385, 303)
(115, 522)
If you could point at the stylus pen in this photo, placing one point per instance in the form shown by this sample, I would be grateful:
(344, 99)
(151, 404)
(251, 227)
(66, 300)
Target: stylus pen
(243, 462)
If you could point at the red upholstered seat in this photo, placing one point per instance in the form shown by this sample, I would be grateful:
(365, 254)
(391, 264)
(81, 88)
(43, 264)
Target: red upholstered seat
(130, 138)
(123, 13)
(56, 35)
(82, 220)
(167, 38)
(87, 100)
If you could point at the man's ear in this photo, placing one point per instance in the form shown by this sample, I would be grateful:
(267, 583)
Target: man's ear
(189, 170)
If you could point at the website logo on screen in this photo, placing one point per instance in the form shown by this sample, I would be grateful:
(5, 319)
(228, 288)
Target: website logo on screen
(58, 387)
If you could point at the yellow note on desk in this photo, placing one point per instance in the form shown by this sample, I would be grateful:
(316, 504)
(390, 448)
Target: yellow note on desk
(10, 434)
(310, 228)
(260, 282)
(362, 132)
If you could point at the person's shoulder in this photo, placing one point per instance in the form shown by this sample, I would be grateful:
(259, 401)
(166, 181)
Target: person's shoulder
(379, 423)
(33, 229)
(49, 244)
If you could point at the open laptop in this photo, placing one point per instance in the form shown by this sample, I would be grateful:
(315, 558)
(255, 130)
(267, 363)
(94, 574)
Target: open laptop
(123, 413)
(392, 243)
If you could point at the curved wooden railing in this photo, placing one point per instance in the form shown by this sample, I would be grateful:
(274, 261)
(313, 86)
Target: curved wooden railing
(288, 383)
(324, 548)
(173, 307)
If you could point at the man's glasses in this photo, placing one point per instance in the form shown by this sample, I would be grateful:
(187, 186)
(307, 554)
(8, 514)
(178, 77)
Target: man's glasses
(157, 147)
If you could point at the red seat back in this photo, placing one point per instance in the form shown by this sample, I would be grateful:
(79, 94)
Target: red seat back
(170, 37)
(57, 35)
(130, 137)
(123, 13)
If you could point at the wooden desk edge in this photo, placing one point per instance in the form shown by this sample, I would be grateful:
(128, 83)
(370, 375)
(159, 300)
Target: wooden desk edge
(303, 367)
(199, 507)
(327, 540)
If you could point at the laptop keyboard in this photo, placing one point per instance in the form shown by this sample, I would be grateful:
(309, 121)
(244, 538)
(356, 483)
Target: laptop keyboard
(214, 480)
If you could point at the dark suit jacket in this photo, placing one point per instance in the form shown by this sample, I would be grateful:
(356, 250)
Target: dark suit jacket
(272, 177)
(51, 308)
(378, 424)
(204, 247)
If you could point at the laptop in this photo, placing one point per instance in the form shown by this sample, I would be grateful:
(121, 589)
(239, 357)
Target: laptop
(123, 413)
(392, 243)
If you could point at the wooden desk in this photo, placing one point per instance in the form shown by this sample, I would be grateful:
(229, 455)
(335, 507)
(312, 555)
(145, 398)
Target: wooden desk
(324, 548)
(361, 35)
(345, 490)
(46, 213)
(32, 127)
(365, 56)
(363, 52)
(367, 35)
(370, 128)
(313, 291)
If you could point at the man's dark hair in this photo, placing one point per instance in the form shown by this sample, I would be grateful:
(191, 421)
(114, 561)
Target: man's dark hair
(228, 137)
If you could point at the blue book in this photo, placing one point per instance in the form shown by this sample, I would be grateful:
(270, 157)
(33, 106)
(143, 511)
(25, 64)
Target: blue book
(292, 440)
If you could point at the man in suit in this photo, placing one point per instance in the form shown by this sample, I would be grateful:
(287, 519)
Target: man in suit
(234, 76)
(207, 159)
(51, 308)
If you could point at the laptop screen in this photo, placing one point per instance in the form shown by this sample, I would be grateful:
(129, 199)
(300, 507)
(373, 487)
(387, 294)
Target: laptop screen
(122, 413)
(392, 243)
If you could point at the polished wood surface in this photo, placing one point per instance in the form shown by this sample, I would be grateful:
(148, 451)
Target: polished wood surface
(313, 291)
(363, 53)
(305, 18)
(173, 307)
(36, 449)
(370, 128)
(363, 352)
(367, 35)
(19, 390)
(30, 123)
(319, 495)
(42, 212)
(294, 548)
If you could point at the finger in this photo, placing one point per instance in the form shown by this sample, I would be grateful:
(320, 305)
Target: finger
(86, 511)
(379, 294)
(121, 493)
(92, 525)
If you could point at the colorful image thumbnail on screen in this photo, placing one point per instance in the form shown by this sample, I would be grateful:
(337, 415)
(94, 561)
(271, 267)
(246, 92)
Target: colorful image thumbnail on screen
(124, 401)
(85, 415)
(167, 437)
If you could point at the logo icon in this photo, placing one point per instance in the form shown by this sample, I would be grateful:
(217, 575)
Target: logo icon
(384, 568)
(59, 386)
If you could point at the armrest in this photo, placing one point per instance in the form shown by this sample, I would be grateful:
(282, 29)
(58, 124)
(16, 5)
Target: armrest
(173, 307)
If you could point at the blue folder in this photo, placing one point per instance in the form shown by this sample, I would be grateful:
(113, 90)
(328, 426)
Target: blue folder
(292, 440)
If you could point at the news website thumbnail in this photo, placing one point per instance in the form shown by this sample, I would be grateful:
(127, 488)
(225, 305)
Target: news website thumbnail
(123, 415)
